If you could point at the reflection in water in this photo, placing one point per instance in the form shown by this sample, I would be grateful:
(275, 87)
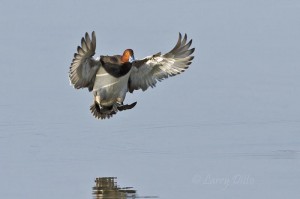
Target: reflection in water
(107, 188)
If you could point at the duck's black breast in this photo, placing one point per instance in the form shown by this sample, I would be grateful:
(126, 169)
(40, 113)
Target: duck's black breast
(114, 66)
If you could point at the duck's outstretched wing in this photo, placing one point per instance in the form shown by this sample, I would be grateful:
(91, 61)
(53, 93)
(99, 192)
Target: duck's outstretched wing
(84, 67)
(148, 71)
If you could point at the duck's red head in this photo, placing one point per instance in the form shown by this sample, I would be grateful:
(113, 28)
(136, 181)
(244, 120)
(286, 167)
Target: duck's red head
(128, 56)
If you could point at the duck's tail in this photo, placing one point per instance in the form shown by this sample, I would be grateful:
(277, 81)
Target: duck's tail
(101, 112)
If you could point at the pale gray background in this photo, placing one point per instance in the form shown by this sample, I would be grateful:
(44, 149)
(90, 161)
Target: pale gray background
(234, 114)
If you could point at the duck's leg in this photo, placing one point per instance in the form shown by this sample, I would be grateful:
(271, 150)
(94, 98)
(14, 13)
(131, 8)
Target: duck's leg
(126, 106)
(121, 107)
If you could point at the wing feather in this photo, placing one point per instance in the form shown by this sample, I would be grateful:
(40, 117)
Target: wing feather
(148, 71)
(84, 67)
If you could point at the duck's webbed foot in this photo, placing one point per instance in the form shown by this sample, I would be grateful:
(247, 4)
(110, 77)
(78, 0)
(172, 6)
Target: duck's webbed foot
(122, 107)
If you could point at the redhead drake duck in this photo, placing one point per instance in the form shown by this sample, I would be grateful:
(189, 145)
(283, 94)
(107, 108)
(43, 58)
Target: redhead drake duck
(111, 77)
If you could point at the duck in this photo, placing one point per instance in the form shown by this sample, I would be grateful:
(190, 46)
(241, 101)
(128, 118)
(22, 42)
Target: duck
(110, 78)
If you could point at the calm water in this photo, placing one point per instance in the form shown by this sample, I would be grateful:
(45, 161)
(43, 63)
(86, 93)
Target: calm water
(229, 127)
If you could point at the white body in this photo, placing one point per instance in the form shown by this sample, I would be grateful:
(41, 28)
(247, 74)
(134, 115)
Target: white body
(109, 89)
